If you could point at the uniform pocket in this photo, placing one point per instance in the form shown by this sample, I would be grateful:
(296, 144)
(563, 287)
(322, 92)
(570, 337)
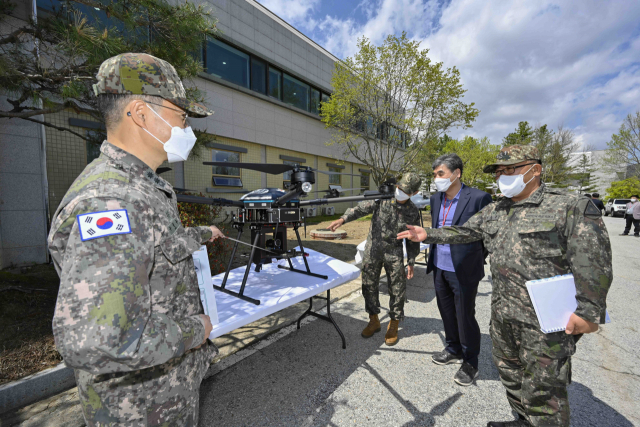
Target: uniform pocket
(178, 246)
(541, 240)
(123, 398)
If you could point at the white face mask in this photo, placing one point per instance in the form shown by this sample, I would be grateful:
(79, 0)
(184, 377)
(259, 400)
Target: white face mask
(180, 142)
(443, 184)
(634, 200)
(401, 195)
(512, 185)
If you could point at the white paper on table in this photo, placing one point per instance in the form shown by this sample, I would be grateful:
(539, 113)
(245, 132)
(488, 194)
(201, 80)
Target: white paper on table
(361, 246)
(207, 295)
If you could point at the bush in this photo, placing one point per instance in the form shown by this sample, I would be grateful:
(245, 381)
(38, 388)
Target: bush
(623, 189)
(195, 214)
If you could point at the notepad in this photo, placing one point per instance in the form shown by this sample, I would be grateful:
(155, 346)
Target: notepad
(554, 300)
(205, 283)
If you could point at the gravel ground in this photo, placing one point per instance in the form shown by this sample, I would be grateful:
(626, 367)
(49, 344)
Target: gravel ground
(306, 379)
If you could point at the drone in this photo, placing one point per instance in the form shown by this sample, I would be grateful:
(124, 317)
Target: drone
(268, 212)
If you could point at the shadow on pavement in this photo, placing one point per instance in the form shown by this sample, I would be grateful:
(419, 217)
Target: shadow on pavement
(589, 411)
(284, 383)
(287, 382)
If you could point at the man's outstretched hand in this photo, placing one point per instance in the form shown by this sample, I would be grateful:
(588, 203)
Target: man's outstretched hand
(336, 224)
(414, 233)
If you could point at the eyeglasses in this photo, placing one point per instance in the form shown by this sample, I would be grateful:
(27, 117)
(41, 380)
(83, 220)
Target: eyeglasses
(185, 118)
(509, 170)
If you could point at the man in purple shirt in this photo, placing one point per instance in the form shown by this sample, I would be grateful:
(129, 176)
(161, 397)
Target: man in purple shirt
(457, 269)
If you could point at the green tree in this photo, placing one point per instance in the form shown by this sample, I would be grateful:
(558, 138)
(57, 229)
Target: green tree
(522, 136)
(623, 150)
(390, 101)
(624, 189)
(583, 175)
(556, 157)
(429, 152)
(48, 64)
(475, 154)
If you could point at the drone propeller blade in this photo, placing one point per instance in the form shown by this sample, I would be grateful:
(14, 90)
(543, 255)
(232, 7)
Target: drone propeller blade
(337, 173)
(162, 170)
(272, 169)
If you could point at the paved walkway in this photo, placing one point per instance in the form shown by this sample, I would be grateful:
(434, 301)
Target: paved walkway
(306, 379)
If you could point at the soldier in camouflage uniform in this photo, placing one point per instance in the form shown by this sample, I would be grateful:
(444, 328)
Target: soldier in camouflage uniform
(390, 216)
(128, 317)
(535, 232)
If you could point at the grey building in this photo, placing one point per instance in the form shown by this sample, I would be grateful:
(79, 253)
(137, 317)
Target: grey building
(264, 80)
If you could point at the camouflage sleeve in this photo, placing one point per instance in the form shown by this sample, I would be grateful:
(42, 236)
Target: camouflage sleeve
(104, 320)
(589, 255)
(413, 248)
(199, 234)
(470, 232)
(363, 208)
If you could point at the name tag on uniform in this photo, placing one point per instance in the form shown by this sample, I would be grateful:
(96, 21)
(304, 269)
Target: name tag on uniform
(100, 224)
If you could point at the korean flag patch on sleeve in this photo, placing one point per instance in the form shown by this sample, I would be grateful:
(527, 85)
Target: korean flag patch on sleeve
(106, 223)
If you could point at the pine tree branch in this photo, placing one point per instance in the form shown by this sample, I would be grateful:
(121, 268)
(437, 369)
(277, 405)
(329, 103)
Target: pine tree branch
(31, 113)
(60, 128)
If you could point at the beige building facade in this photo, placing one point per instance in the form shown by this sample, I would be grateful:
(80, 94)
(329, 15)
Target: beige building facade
(264, 80)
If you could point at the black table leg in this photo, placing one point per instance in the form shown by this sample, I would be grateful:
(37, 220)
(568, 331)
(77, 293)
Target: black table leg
(327, 318)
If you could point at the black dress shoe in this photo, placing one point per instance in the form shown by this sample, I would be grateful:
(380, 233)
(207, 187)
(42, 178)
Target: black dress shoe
(466, 374)
(520, 422)
(446, 358)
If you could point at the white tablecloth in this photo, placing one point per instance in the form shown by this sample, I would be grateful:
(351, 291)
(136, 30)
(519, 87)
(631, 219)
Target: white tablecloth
(360, 250)
(276, 289)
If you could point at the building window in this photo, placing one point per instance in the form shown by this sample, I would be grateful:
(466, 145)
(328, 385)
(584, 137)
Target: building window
(286, 177)
(365, 180)
(258, 75)
(227, 63)
(335, 179)
(275, 83)
(315, 101)
(226, 176)
(295, 92)
(394, 136)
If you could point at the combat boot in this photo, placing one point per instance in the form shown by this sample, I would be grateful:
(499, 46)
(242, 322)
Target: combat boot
(372, 327)
(391, 338)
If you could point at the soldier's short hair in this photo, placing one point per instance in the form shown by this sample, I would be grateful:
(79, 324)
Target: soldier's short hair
(596, 195)
(111, 106)
(452, 161)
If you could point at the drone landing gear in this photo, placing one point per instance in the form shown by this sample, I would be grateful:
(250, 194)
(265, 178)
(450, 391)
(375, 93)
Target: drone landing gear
(256, 240)
(306, 264)
(222, 288)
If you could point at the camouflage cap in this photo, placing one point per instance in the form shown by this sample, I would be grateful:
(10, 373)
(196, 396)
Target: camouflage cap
(410, 183)
(143, 74)
(512, 155)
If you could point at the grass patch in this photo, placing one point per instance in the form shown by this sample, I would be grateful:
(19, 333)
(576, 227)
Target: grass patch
(365, 218)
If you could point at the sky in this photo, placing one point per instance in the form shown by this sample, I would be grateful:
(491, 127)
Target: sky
(574, 64)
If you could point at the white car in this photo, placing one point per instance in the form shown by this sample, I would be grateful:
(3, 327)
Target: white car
(616, 207)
